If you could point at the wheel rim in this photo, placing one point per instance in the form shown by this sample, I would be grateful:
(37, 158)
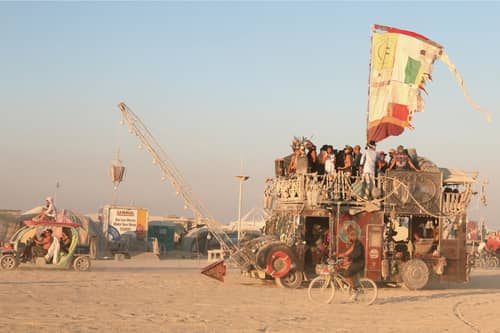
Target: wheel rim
(292, 280)
(492, 263)
(367, 291)
(8, 262)
(321, 290)
(82, 264)
(415, 274)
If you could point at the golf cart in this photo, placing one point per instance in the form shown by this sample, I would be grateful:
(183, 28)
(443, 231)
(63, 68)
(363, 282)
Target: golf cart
(17, 251)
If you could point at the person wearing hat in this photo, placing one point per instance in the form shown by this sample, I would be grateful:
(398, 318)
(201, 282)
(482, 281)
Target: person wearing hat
(381, 164)
(347, 168)
(312, 157)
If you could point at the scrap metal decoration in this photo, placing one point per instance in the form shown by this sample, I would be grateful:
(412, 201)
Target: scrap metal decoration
(216, 270)
(422, 187)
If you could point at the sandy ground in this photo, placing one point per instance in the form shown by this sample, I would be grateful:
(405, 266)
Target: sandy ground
(144, 294)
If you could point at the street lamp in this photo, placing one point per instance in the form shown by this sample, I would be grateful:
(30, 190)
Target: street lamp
(241, 179)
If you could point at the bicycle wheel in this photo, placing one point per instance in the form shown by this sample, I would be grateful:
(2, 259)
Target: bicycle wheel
(321, 289)
(491, 263)
(367, 291)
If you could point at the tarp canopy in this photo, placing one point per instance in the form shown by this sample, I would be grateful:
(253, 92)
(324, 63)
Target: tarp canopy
(457, 177)
(9, 223)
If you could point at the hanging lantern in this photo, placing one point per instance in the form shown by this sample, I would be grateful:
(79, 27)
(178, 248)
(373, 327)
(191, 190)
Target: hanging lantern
(117, 171)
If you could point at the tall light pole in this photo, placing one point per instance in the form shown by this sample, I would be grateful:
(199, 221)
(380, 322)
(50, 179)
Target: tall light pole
(241, 179)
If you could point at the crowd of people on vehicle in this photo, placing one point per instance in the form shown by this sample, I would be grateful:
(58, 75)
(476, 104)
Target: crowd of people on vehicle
(354, 165)
(350, 160)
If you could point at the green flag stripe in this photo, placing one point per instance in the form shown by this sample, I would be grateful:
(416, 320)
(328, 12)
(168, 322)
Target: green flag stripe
(411, 70)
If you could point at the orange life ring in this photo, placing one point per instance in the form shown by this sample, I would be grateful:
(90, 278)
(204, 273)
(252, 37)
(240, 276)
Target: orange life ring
(279, 263)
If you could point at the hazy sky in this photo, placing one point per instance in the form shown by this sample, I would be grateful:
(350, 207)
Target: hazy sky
(217, 84)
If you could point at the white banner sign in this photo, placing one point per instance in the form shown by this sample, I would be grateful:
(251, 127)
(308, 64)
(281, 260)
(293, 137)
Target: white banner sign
(123, 219)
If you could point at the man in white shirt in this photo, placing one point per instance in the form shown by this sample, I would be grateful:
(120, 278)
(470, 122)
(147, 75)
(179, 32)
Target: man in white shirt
(369, 164)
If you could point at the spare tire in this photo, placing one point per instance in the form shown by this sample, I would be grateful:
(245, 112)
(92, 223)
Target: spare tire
(415, 274)
(279, 261)
(262, 254)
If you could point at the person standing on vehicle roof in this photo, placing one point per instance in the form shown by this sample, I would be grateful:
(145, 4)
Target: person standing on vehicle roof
(402, 161)
(369, 166)
(356, 161)
(312, 157)
(330, 161)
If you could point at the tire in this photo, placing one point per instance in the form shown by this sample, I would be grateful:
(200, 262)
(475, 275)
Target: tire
(8, 262)
(292, 280)
(415, 274)
(321, 290)
(82, 264)
(367, 291)
(491, 263)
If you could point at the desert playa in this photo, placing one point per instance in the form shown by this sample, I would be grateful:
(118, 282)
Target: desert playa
(144, 294)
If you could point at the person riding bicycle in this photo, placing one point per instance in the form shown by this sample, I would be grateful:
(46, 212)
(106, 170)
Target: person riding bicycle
(354, 258)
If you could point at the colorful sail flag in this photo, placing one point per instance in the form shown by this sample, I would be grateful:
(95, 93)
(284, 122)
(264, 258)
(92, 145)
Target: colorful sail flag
(401, 64)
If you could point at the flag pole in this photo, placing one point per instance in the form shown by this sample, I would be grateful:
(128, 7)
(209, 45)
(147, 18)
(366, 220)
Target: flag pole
(369, 79)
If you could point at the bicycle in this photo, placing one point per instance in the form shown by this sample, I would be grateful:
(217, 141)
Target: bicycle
(322, 289)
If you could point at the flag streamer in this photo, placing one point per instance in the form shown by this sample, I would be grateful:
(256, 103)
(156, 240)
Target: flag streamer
(444, 58)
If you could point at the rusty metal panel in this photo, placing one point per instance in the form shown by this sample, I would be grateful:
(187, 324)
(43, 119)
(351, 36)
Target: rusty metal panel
(359, 223)
(415, 192)
(216, 270)
(373, 251)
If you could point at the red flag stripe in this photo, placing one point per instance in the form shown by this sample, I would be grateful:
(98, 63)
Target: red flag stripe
(405, 32)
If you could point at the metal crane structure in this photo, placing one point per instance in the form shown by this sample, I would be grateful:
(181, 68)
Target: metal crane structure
(171, 172)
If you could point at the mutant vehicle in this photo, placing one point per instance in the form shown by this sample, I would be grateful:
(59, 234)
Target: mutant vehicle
(412, 224)
(18, 250)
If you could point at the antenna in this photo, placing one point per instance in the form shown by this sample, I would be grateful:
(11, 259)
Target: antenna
(56, 190)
